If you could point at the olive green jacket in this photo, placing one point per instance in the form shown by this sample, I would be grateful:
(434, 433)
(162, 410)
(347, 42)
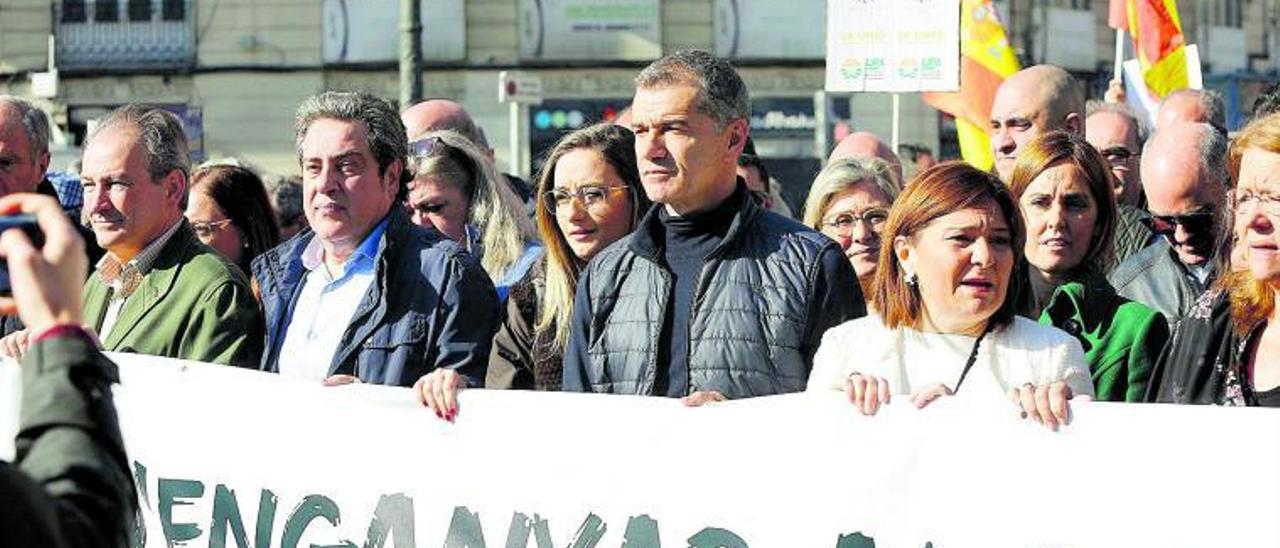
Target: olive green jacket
(192, 305)
(1121, 338)
(70, 485)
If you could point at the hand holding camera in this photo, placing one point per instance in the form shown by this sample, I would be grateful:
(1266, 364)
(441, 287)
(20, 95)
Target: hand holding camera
(47, 278)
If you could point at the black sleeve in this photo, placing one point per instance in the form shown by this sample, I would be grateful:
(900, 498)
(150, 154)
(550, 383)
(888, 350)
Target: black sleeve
(836, 298)
(575, 354)
(71, 485)
(469, 320)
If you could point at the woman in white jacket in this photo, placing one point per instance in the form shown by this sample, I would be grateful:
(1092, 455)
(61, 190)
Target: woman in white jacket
(945, 295)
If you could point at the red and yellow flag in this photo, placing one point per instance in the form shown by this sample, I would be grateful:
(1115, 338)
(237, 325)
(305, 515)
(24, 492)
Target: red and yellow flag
(986, 59)
(1157, 38)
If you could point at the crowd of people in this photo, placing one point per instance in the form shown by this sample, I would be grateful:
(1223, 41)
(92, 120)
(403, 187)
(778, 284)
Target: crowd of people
(1097, 260)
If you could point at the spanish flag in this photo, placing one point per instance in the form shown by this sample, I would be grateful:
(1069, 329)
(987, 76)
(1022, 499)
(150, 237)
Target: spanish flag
(986, 59)
(1157, 38)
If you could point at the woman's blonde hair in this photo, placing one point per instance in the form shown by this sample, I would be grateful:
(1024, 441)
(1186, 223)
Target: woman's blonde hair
(617, 145)
(1252, 300)
(495, 209)
(842, 175)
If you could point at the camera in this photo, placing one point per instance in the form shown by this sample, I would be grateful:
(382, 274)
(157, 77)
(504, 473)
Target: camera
(27, 224)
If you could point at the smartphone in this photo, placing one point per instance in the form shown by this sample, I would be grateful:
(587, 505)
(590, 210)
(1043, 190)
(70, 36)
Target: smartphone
(27, 224)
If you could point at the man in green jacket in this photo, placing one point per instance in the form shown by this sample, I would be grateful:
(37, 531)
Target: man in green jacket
(158, 290)
(70, 484)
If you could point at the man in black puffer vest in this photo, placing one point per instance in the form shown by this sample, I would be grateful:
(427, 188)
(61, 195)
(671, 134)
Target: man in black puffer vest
(711, 297)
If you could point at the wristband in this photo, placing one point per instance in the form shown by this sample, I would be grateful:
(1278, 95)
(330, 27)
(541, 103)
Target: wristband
(66, 330)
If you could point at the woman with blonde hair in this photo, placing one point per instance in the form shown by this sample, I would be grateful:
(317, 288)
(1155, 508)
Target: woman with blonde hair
(457, 191)
(849, 201)
(1227, 351)
(944, 312)
(1064, 188)
(589, 196)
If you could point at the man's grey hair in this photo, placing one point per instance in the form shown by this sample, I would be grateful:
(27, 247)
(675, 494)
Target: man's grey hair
(163, 138)
(34, 122)
(1215, 107)
(1095, 106)
(1211, 151)
(722, 94)
(386, 134)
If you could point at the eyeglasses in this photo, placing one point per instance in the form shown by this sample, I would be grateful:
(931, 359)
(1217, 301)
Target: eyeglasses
(590, 196)
(1193, 223)
(843, 223)
(1268, 203)
(1118, 154)
(423, 148)
(205, 230)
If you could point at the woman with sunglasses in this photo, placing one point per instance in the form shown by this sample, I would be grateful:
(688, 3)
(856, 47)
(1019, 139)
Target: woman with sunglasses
(1064, 190)
(589, 196)
(849, 201)
(1227, 351)
(457, 191)
(945, 321)
(229, 210)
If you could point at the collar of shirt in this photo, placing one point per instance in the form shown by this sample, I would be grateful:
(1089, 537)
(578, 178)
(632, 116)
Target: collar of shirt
(124, 279)
(363, 259)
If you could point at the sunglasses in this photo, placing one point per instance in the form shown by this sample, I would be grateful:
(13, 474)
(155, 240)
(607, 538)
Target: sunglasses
(1118, 154)
(423, 148)
(1193, 223)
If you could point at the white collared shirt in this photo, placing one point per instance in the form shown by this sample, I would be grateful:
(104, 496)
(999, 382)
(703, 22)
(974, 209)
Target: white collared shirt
(124, 279)
(325, 306)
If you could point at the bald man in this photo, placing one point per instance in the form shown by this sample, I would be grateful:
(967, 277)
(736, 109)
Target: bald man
(1193, 105)
(864, 145)
(1185, 180)
(1033, 101)
(437, 114)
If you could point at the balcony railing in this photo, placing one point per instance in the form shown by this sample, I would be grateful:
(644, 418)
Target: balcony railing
(125, 34)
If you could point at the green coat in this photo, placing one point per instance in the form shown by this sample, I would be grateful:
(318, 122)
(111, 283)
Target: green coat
(1121, 338)
(193, 305)
(70, 484)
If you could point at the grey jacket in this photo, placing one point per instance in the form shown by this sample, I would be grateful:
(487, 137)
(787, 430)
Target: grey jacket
(1155, 277)
(764, 298)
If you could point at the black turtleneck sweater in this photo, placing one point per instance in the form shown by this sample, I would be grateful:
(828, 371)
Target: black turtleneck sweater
(687, 241)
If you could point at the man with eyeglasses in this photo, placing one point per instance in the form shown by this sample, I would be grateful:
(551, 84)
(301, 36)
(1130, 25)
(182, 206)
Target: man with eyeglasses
(366, 295)
(711, 297)
(1185, 182)
(1118, 133)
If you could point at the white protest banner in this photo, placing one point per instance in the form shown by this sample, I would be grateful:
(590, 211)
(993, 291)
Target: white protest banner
(893, 45)
(629, 30)
(227, 457)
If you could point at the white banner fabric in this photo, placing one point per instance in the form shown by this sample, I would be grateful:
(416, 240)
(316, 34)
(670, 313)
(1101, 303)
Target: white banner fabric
(228, 457)
(893, 45)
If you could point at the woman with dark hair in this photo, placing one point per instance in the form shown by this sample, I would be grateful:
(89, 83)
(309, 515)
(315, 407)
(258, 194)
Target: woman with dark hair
(944, 309)
(1064, 188)
(230, 212)
(589, 196)
(1227, 351)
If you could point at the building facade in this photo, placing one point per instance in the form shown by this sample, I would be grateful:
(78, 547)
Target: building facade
(236, 70)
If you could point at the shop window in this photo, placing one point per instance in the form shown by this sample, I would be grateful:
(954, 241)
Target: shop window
(74, 11)
(105, 11)
(139, 10)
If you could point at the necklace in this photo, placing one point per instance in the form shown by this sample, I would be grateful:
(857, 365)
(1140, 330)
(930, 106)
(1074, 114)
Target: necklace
(973, 357)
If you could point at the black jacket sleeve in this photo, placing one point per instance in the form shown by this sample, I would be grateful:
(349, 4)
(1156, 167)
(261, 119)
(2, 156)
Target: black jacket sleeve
(836, 298)
(511, 360)
(71, 485)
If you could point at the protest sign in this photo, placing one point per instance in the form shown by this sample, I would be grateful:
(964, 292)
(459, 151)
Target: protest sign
(893, 45)
(227, 457)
